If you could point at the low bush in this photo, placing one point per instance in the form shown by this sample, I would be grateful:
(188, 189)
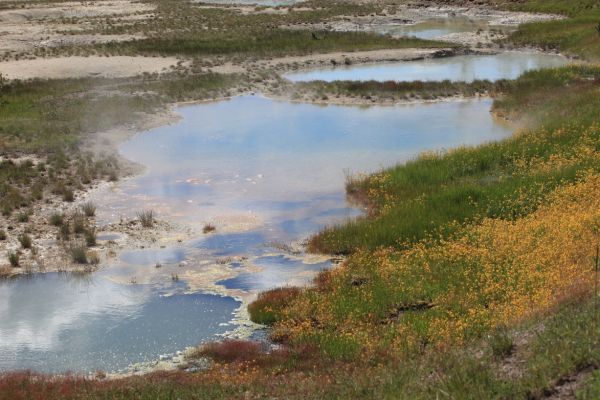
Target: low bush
(232, 350)
(90, 237)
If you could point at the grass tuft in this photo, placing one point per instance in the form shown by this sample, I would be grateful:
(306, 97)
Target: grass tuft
(146, 218)
(13, 259)
(25, 241)
(88, 208)
(78, 254)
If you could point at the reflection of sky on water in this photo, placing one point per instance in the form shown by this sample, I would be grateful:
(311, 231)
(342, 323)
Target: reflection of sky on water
(56, 322)
(282, 161)
(508, 65)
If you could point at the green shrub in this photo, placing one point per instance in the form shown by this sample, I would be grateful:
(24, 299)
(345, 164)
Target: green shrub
(78, 223)
(64, 232)
(68, 195)
(2, 235)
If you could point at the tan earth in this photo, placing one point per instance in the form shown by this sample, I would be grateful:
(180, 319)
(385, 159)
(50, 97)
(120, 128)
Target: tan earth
(35, 26)
(79, 67)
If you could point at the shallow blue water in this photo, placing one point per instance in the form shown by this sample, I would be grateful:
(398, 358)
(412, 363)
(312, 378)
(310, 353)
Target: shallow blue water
(89, 323)
(508, 65)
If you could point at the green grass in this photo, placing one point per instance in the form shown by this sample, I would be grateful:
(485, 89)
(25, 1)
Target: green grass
(268, 306)
(276, 43)
(576, 35)
(435, 194)
(47, 116)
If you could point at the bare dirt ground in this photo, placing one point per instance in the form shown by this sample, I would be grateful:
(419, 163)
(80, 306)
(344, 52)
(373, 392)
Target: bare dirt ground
(80, 67)
(38, 25)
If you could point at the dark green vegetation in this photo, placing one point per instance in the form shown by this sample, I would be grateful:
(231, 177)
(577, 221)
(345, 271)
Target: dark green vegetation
(394, 91)
(47, 116)
(436, 193)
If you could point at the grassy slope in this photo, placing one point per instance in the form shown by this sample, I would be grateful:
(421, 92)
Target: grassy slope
(576, 35)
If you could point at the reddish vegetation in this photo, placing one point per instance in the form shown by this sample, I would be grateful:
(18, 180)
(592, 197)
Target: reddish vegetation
(233, 350)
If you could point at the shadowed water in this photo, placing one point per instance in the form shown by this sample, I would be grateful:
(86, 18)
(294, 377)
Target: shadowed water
(508, 65)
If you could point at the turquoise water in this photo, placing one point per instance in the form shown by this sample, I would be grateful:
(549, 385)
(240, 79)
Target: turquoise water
(508, 65)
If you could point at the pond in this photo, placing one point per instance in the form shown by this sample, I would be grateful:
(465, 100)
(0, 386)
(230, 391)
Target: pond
(467, 68)
(267, 174)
